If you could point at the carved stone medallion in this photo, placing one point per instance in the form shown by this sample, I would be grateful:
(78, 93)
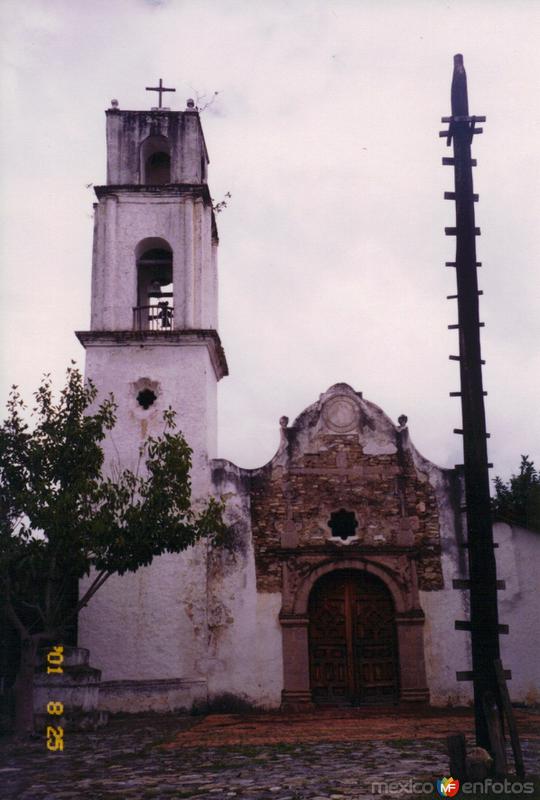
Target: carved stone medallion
(341, 414)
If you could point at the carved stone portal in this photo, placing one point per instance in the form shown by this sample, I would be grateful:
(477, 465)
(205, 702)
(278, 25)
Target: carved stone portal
(352, 632)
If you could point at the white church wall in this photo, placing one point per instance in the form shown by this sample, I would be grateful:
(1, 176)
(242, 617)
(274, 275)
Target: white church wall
(128, 130)
(518, 557)
(208, 271)
(125, 370)
(269, 654)
(149, 625)
(126, 219)
(211, 405)
(160, 611)
(245, 660)
(245, 656)
(446, 650)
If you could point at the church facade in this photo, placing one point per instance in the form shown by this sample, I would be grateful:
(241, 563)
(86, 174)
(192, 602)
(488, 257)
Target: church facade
(339, 587)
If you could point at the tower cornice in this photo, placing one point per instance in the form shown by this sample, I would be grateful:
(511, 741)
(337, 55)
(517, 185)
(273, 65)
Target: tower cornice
(173, 189)
(187, 338)
(151, 112)
(194, 190)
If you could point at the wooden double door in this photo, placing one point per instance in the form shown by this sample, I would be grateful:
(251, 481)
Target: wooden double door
(352, 640)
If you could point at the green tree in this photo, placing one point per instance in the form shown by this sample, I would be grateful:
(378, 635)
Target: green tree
(518, 501)
(62, 518)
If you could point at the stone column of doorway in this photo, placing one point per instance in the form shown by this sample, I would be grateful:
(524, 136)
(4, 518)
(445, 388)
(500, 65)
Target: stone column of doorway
(413, 684)
(296, 692)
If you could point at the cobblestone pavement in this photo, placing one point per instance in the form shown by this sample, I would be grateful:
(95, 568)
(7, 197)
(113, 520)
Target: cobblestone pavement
(332, 756)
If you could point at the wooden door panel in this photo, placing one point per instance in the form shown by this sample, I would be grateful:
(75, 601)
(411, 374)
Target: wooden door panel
(328, 644)
(353, 653)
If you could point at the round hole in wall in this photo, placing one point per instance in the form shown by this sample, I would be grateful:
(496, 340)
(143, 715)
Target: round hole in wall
(146, 398)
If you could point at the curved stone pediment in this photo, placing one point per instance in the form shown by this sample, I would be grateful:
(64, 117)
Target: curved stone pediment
(342, 411)
(345, 478)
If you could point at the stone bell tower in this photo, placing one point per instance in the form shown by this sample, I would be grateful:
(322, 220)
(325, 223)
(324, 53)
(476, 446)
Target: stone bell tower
(153, 343)
(153, 338)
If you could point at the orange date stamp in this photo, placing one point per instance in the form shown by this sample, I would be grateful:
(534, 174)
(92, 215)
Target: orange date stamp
(55, 733)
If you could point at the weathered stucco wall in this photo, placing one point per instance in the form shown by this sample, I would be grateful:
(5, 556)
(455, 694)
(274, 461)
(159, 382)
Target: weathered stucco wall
(244, 653)
(126, 367)
(152, 625)
(179, 217)
(448, 650)
(128, 130)
(518, 558)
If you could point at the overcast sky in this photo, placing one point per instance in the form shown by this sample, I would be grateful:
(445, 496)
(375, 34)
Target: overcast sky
(332, 249)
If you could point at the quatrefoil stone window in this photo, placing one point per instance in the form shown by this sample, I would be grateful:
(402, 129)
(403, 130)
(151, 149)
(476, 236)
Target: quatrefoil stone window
(343, 524)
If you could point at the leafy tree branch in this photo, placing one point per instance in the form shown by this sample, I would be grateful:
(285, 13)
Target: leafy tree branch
(518, 500)
(63, 518)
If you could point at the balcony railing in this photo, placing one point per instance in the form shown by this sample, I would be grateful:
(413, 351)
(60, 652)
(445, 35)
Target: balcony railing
(158, 317)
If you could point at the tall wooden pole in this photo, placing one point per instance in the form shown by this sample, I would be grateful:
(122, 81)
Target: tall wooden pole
(482, 582)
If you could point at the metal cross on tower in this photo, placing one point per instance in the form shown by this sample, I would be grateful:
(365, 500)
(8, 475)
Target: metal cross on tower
(482, 581)
(159, 89)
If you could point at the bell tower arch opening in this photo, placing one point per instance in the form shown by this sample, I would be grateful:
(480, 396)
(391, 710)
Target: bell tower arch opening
(353, 655)
(155, 160)
(155, 307)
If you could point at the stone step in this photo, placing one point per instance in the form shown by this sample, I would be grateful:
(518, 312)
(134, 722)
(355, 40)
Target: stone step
(71, 676)
(74, 697)
(73, 657)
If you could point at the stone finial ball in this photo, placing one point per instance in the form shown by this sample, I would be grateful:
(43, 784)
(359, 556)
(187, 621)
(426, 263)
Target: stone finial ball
(191, 103)
(283, 422)
(402, 420)
(114, 103)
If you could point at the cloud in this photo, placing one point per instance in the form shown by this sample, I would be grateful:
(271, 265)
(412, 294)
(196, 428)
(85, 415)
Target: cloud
(332, 247)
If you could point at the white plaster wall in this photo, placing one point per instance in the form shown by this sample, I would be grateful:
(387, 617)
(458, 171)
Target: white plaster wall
(245, 646)
(127, 130)
(152, 624)
(190, 147)
(269, 653)
(125, 220)
(209, 284)
(245, 651)
(518, 558)
(212, 294)
(186, 382)
(446, 650)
